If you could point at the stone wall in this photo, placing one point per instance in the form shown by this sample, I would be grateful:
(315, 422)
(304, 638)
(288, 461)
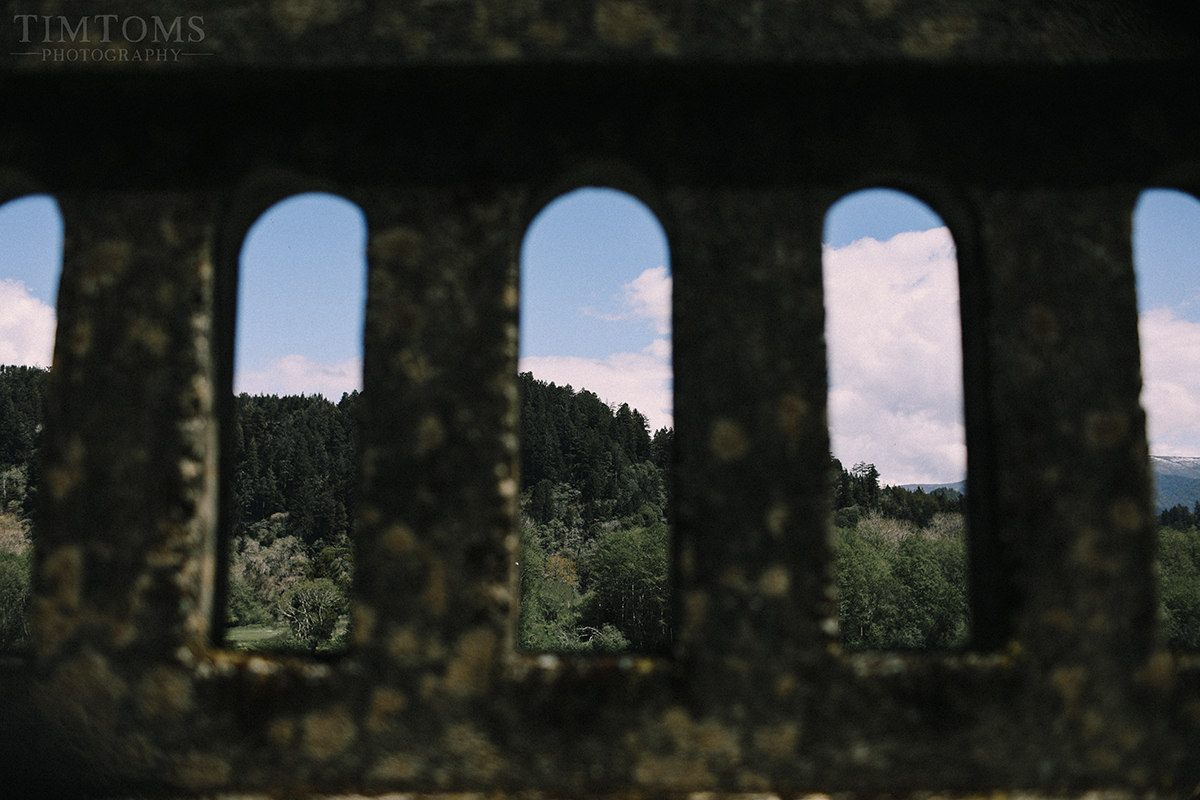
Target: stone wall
(1030, 128)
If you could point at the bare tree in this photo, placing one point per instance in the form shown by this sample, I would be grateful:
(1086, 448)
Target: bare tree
(312, 610)
(271, 571)
(890, 530)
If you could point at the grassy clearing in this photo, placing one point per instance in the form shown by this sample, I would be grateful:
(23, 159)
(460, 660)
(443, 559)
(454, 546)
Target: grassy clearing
(279, 639)
(257, 637)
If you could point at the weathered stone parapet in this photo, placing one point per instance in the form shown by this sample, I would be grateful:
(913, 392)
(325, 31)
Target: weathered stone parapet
(1030, 130)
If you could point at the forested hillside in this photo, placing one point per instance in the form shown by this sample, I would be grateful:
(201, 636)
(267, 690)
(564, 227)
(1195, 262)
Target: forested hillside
(295, 455)
(1179, 573)
(901, 563)
(595, 530)
(595, 493)
(291, 558)
(21, 406)
(594, 496)
(21, 414)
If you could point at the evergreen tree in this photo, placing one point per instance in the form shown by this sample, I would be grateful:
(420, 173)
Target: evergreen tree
(22, 391)
(594, 489)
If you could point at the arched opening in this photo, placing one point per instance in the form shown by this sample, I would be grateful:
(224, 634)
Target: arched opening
(893, 333)
(596, 427)
(297, 376)
(1166, 229)
(31, 247)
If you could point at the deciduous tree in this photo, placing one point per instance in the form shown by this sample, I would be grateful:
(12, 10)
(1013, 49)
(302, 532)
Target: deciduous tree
(312, 610)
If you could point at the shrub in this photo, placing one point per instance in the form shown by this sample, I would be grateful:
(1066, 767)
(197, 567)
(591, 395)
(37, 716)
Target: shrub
(312, 610)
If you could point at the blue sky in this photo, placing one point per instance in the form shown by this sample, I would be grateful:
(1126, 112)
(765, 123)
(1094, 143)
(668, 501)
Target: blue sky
(596, 300)
(1166, 241)
(302, 287)
(596, 287)
(31, 234)
(1166, 251)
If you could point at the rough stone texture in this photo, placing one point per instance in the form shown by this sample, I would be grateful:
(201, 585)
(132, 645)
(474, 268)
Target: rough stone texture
(1030, 127)
(327, 33)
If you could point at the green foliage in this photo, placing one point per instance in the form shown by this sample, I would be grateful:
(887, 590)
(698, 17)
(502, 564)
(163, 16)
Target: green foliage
(595, 494)
(848, 517)
(293, 498)
(336, 564)
(244, 606)
(608, 456)
(1180, 517)
(900, 587)
(931, 601)
(22, 391)
(856, 492)
(632, 587)
(21, 419)
(550, 606)
(595, 485)
(541, 502)
(313, 609)
(15, 599)
(608, 640)
(866, 589)
(625, 604)
(901, 563)
(1179, 564)
(295, 456)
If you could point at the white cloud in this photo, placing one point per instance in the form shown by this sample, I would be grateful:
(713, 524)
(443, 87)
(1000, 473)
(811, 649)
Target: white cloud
(648, 296)
(643, 380)
(895, 363)
(300, 375)
(1171, 390)
(895, 356)
(26, 327)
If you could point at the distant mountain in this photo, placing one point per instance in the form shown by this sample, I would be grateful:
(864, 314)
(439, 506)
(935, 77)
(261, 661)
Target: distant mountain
(1182, 466)
(1176, 481)
(959, 487)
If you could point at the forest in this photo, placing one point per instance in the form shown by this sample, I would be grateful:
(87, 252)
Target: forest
(290, 553)
(595, 532)
(901, 561)
(21, 415)
(1179, 575)
(595, 524)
